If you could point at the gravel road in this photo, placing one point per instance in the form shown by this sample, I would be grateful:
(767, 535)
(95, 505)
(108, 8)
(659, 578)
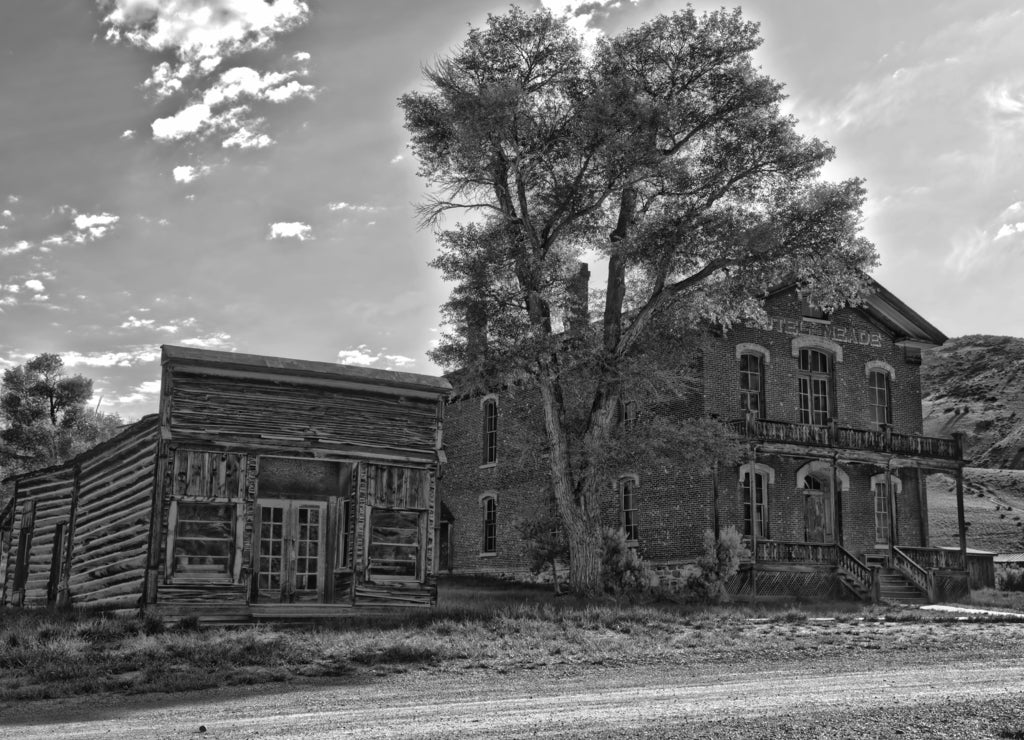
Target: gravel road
(968, 699)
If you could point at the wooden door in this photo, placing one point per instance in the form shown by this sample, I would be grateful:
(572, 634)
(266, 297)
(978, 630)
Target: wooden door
(814, 516)
(289, 550)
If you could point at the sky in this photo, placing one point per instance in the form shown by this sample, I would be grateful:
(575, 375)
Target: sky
(235, 175)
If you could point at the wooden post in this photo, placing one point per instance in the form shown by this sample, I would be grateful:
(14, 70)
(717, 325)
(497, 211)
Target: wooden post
(960, 523)
(837, 501)
(892, 509)
(922, 500)
(753, 522)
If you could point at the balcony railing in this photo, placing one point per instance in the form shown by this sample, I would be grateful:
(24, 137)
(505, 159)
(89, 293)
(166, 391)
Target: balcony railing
(832, 435)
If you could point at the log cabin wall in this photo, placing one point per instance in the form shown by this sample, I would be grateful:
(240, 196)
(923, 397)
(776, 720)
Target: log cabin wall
(271, 471)
(111, 520)
(77, 532)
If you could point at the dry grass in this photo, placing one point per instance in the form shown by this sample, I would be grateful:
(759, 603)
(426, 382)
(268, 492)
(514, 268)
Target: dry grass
(477, 625)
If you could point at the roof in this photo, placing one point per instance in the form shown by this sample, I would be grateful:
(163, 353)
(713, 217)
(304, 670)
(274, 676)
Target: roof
(1013, 557)
(907, 326)
(970, 550)
(263, 364)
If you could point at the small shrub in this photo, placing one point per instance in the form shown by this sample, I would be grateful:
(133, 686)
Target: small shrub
(623, 571)
(546, 544)
(719, 562)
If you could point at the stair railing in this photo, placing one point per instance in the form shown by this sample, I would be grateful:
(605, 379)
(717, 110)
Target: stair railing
(923, 579)
(864, 576)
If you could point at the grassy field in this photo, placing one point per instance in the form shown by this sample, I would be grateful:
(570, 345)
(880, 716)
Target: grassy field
(475, 626)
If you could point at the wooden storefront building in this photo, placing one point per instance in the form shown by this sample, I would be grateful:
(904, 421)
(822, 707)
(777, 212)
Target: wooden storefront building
(263, 488)
(831, 495)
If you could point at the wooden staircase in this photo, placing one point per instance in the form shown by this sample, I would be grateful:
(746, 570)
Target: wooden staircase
(894, 587)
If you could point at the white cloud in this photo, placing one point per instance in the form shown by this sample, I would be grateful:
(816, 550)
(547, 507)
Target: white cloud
(7, 214)
(188, 121)
(187, 173)
(93, 226)
(35, 285)
(246, 139)
(343, 206)
(13, 198)
(142, 392)
(291, 230)
(18, 247)
(128, 134)
(128, 358)
(366, 357)
(218, 340)
(134, 323)
(202, 35)
(1004, 99)
(397, 158)
(1010, 229)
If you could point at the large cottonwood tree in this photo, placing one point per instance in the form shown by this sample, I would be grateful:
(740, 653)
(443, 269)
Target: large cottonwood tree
(663, 150)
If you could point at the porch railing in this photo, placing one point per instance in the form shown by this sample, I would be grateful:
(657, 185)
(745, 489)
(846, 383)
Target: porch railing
(935, 559)
(832, 435)
(812, 553)
(858, 571)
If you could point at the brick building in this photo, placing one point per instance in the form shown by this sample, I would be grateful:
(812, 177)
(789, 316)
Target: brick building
(831, 495)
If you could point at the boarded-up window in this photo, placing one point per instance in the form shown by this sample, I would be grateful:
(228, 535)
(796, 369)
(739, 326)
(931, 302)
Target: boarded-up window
(207, 474)
(395, 487)
(395, 544)
(204, 541)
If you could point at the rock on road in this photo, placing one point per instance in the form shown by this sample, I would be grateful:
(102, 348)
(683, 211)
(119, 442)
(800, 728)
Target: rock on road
(968, 699)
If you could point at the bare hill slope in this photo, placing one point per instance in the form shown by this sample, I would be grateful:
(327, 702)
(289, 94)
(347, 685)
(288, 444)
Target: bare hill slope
(993, 509)
(975, 385)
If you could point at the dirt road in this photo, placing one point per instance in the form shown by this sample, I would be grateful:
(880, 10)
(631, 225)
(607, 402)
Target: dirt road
(967, 700)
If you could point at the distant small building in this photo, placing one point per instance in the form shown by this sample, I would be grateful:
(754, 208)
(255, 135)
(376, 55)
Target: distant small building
(264, 488)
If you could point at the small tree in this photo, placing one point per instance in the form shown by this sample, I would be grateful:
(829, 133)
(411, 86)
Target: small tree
(44, 416)
(666, 152)
(546, 543)
(719, 561)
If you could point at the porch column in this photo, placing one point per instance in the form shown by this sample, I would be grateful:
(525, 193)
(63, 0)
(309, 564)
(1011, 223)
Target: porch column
(752, 479)
(961, 525)
(893, 528)
(837, 500)
(922, 500)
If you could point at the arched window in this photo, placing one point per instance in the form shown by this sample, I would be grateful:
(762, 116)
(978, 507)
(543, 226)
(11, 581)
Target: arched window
(815, 386)
(629, 507)
(489, 441)
(489, 508)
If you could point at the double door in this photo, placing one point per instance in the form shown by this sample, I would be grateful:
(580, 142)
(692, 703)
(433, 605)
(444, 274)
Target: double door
(290, 550)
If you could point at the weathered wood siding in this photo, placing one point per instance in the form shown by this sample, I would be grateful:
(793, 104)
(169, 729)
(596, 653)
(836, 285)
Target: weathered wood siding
(287, 416)
(111, 520)
(42, 502)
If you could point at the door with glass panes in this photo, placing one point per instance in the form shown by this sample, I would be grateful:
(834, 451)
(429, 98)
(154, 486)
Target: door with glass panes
(289, 550)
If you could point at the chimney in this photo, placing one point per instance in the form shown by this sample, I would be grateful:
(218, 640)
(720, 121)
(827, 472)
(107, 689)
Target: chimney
(578, 299)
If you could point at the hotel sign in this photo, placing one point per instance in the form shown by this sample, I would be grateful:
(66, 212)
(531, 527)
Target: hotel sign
(842, 334)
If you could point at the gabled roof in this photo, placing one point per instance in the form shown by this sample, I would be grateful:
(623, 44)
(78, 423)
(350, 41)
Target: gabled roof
(205, 360)
(907, 326)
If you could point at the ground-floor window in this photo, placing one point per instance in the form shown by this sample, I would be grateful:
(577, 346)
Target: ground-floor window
(630, 510)
(395, 547)
(204, 541)
(881, 513)
(759, 521)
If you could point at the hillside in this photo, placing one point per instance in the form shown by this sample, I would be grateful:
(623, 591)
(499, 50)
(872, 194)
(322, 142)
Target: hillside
(993, 509)
(975, 385)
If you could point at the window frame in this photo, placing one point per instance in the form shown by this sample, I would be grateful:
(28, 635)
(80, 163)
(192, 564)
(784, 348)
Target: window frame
(744, 374)
(815, 385)
(419, 546)
(175, 573)
(629, 508)
(876, 407)
(489, 430)
(489, 525)
(761, 480)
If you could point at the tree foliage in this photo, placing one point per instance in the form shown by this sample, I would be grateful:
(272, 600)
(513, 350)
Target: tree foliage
(662, 151)
(43, 416)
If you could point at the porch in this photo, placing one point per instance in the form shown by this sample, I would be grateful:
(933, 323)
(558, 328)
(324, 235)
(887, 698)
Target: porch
(822, 570)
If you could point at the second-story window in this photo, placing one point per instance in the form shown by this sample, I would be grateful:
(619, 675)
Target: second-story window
(490, 431)
(815, 386)
(752, 384)
(879, 398)
(630, 509)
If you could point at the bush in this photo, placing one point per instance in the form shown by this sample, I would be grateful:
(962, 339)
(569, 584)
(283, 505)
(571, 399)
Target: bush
(623, 571)
(719, 562)
(546, 544)
(1011, 579)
